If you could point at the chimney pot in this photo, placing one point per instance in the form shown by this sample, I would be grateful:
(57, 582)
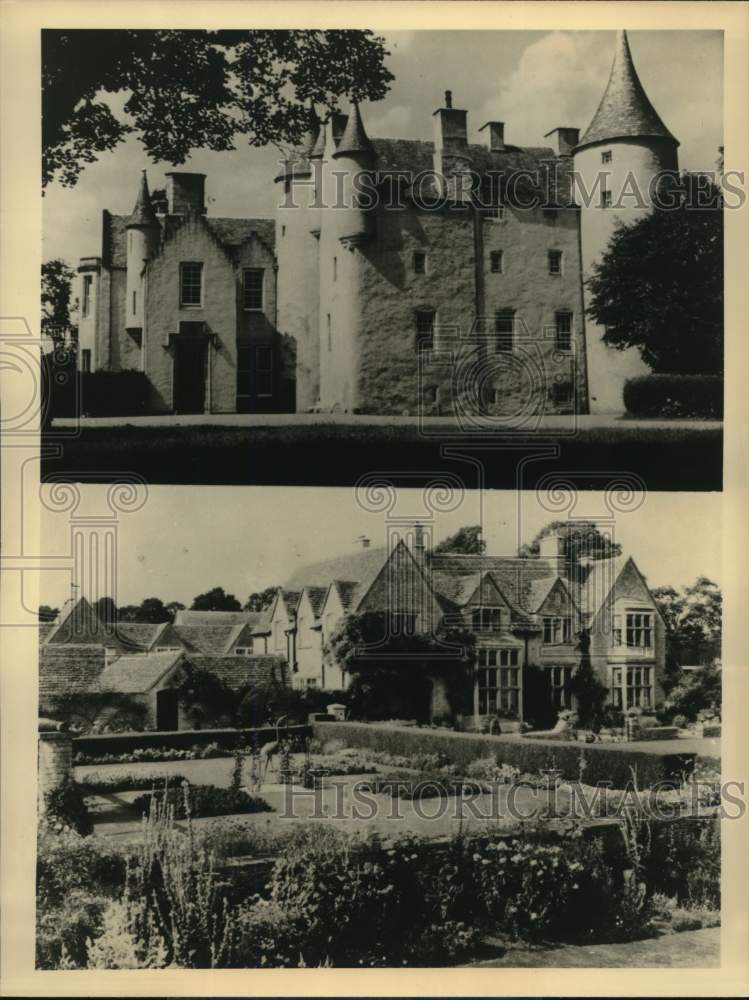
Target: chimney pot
(448, 98)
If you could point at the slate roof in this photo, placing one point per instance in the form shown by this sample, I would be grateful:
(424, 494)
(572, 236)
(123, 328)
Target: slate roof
(625, 109)
(46, 629)
(218, 617)
(68, 669)
(232, 233)
(347, 591)
(143, 213)
(291, 598)
(138, 634)
(316, 597)
(240, 671)
(138, 673)
(354, 138)
(457, 576)
(204, 638)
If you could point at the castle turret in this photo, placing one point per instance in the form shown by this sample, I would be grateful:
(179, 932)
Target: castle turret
(297, 250)
(353, 158)
(617, 162)
(143, 232)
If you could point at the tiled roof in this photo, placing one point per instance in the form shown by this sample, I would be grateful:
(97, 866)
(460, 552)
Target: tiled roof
(143, 213)
(244, 635)
(217, 617)
(625, 109)
(241, 671)
(316, 597)
(68, 669)
(291, 598)
(138, 673)
(204, 638)
(347, 591)
(230, 232)
(45, 629)
(138, 634)
(357, 567)
(456, 577)
(354, 138)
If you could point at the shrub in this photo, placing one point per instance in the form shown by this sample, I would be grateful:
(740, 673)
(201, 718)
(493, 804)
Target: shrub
(62, 932)
(65, 808)
(113, 394)
(682, 860)
(680, 721)
(699, 691)
(675, 396)
(201, 800)
(91, 784)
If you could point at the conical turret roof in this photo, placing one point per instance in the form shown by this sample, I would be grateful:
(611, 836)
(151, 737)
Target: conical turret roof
(313, 133)
(318, 150)
(354, 138)
(625, 109)
(143, 213)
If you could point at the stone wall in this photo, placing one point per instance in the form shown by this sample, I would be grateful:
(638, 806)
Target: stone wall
(55, 759)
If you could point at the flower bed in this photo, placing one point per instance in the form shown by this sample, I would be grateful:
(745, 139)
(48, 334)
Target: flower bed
(433, 787)
(93, 784)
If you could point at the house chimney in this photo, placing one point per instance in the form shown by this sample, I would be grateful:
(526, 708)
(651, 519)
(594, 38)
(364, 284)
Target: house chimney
(551, 548)
(185, 193)
(564, 139)
(495, 136)
(452, 160)
(363, 541)
(450, 126)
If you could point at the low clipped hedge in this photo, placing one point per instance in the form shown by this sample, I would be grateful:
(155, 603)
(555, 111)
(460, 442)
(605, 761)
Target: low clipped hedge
(675, 396)
(202, 800)
(113, 394)
(93, 784)
(614, 762)
(94, 749)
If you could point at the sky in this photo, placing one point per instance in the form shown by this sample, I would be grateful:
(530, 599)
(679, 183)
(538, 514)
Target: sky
(533, 81)
(185, 540)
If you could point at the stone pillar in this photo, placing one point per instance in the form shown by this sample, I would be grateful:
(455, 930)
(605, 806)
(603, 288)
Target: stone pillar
(55, 760)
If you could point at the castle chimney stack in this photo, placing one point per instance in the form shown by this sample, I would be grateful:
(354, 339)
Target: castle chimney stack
(185, 193)
(495, 136)
(564, 139)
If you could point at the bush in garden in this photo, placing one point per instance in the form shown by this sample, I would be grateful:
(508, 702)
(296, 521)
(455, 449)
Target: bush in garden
(64, 807)
(116, 947)
(201, 800)
(659, 395)
(700, 690)
(683, 861)
(62, 932)
(92, 784)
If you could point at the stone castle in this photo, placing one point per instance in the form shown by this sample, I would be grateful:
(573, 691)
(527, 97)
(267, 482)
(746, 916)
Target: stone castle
(398, 277)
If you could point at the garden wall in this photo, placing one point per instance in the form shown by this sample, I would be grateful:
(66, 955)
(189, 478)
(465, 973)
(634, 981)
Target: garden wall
(613, 763)
(115, 743)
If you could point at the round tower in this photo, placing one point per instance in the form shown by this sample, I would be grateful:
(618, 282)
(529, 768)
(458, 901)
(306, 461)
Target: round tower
(353, 159)
(143, 232)
(624, 149)
(297, 232)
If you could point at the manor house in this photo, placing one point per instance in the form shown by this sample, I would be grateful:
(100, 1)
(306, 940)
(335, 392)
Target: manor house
(386, 282)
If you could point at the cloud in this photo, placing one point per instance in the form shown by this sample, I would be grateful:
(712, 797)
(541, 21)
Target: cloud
(392, 122)
(558, 81)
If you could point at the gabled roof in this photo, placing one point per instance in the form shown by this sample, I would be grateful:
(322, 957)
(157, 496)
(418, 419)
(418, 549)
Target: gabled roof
(599, 583)
(243, 671)
(456, 577)
(68, 669)
(359, 567)
(203, 638)
(138, 634)
(316, 598)
(138, 673)
(217, 617)
(347, 591)
(625, 110)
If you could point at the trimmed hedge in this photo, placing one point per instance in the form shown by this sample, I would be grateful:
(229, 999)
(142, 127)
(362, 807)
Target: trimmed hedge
(114, 394)
(204, 800)
(612, 762)
(675, 396)
(184, 739)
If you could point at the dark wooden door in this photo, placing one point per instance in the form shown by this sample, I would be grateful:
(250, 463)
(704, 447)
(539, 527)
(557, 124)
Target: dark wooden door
(189, 375)
(167, 710)
(256, 379)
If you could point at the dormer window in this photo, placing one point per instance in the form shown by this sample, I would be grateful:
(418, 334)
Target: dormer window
(486, 619)
(557, 629)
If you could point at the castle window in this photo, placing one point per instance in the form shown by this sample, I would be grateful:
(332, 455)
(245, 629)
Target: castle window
(563, 330)
(557, 629)
(555, 261)
(87, 282)
(330, 334)
(431, 394)
(335, 269)
(420, 263)
(504, 330)
(252, 284)
(190, 284)
(606, 199)
(496, 261)
(486, 619)
(561, 392)
(85, 360)
(135, 302)
(606, 156)
(425, 329)
(283, 231)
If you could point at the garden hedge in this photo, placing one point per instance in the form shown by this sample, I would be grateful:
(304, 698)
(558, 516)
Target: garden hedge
(184, 739)
(675, 396)
(613, 763)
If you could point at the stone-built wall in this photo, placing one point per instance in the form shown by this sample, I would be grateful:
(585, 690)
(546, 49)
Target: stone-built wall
(125, 347)
(55, 760)
(192, 241)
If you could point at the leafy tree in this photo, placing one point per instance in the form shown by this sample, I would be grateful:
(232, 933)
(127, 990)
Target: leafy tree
(392, 672)
(173, 607)
(47, 614)
(57, 307)
(693, 617)
(206, 698)
(215, 600)
(194, 89)
(659, 285)
(260, 600)
(582, 539)
(697, 691)
(467, 541)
